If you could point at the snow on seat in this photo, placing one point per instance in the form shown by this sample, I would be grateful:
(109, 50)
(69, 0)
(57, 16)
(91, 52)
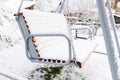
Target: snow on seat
(84, 49)
(55, 49)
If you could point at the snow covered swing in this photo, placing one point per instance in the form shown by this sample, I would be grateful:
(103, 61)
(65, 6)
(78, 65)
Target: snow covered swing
(47, 39)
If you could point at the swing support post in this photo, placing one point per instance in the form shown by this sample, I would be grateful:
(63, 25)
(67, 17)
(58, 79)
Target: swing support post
(113, 26)
(108, 38)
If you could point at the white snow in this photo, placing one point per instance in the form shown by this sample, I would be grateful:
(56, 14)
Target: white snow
(8, 27)
(50, 4)
(45, 22)
(17, 4)
(13, 60)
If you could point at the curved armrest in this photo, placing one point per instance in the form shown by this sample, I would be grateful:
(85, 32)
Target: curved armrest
(28, 53)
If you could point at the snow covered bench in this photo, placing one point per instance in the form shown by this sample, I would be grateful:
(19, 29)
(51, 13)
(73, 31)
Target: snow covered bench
(47, 38)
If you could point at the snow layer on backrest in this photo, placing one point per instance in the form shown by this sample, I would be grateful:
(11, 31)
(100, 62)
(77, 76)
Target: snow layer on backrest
(46, 22)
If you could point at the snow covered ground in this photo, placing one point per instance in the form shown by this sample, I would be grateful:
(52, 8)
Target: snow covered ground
(13, 59)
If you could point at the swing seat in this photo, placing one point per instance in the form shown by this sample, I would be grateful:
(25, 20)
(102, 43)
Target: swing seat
(47, 39)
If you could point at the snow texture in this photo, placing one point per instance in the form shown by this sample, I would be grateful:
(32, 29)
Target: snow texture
(13, 60)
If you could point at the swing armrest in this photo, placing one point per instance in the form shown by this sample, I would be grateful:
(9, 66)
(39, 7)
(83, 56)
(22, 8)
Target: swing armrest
(49, 35)
(84, 28)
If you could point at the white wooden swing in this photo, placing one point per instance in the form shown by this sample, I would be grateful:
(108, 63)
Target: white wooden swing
(27, 24)
(50, 45)
(48, 39)
(31, 38)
